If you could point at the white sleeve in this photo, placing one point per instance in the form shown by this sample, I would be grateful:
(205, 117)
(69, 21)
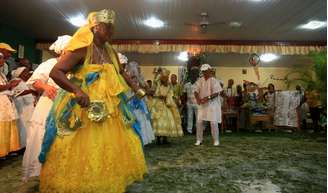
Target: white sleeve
(197, 86)
(42, 72)
(216, 86)
(185, 89)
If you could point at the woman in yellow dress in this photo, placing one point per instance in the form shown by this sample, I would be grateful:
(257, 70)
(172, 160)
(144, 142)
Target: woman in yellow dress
(9, 136)
(164, 111)
(89, 144)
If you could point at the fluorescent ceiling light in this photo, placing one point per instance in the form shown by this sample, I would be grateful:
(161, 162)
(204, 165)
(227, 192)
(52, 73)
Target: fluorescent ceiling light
(78, 20)
(314, 24)
(154, 22)
(183, 56)
(235, 24)
(268, 57)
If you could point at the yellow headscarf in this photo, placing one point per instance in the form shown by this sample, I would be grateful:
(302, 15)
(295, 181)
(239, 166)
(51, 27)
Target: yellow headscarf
(83, 37)
(165, 72)
(7, 47)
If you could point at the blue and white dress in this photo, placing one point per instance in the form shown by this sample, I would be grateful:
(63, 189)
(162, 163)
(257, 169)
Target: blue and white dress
(140, 111)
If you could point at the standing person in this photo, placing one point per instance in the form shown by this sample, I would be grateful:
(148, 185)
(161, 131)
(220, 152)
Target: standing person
(24, 101)
(303, 108)
(165, 115)
(9, 135)
(312, 98)
(230, 91)
(42, 83)
(269, 98)
(206, 91)
(192, 105)
(90, 126)
(177, 89)
(138, 106)
(244, 109)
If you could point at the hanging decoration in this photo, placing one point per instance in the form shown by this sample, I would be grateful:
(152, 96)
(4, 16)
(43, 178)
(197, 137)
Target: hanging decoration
(254, 61)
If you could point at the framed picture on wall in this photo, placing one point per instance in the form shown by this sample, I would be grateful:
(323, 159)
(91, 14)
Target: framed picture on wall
(20, 51)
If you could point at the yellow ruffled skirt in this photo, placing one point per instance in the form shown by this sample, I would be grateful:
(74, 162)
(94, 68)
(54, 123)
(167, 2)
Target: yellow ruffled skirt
(9, 137)
(100, 157)
(166, 120)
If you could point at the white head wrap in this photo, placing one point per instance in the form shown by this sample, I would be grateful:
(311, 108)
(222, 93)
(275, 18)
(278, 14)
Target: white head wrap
(59, 45)
(16, 73)
(133, 69)
(205, 67)
(123, 59)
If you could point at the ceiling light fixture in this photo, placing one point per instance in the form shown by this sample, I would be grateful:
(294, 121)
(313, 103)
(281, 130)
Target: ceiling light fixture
(153, 22)
(313, 25)
(78, 20)
(235, 24)
(183, 56)
(268, 57)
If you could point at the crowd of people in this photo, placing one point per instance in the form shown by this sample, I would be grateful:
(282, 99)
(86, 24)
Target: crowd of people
(87, 113)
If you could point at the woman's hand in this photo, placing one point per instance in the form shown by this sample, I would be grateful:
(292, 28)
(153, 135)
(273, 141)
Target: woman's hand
(81, 98)
(50, 91)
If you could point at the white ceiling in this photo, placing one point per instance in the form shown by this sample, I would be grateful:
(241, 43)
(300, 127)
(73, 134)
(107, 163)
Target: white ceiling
(265, 20)
(224, 60)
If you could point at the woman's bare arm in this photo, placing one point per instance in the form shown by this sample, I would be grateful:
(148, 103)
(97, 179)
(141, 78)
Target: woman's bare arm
(64, 65)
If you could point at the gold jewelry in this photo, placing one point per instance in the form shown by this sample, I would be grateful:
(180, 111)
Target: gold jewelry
(98, 111)
(141, 93)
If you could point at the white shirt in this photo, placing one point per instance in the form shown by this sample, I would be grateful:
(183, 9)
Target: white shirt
(42, 73)
(210, 111)
(7, 108)
(44, 104)
(230, 92)
(189, 89)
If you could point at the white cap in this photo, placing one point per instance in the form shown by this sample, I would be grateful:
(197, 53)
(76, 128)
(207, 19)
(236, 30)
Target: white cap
(123, 59)
(205, 67)
(59, 45)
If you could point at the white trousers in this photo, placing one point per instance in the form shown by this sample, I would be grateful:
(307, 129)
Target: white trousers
(214, 131)
(191, 111)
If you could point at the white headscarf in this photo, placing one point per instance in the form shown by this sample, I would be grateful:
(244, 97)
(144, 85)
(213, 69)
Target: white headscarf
(133, 69)
(123, 59)
(59, 45)
(205, 67)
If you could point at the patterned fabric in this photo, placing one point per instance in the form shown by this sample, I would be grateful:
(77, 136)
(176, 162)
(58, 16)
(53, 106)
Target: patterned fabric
(109, 152)
(165, 115)
(285, 113)
(140, 111)
(9, 137)
(189, 89)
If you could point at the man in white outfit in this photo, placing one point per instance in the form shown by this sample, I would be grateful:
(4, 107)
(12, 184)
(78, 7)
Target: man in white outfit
(207, 90)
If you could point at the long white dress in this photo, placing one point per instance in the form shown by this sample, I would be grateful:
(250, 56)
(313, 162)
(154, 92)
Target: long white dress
(9, 135)
(25, 107)
(140, 111)
(35, 133)
(210, 111)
